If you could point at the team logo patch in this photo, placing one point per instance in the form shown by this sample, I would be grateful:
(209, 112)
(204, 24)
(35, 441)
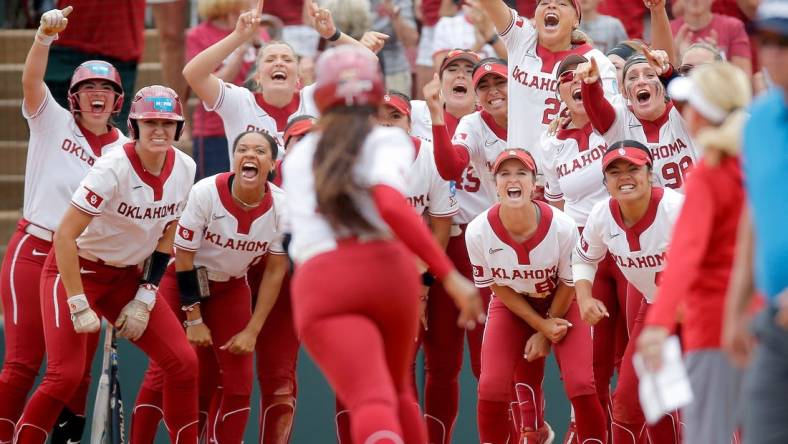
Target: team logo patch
(462, 136)
(520, 22)
(162, 104)
(93, 199)
(477, 271)
(488, 67)
(583, 244)
(622, 151)
(99, 69)
(186, 233)
(387, 98)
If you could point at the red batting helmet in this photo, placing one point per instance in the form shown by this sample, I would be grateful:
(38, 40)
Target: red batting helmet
(155, 102)
(347, 75)
(95, 70)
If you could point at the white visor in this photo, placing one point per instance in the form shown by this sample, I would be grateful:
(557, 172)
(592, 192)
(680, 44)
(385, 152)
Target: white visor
(685, 90)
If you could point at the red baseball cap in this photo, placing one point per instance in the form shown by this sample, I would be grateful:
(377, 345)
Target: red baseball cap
(397, 102)
(298, 129)
(458, 54)
(496, 68)
(631, 154)
(515, 153)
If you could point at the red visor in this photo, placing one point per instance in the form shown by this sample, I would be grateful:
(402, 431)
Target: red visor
(397, 103)
(458, 54)
(489, 68)
(633, 155)
(298, 129)
(521, 155)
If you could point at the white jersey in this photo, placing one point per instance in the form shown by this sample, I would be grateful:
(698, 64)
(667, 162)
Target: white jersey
(135, 206)
(307, 106)
(572, 160)
(485, 140)
(533, 87)
(639, 251)
(227, 238)
(534, 266)
(457, 32)
(667, 137)
(426, 191)
(385, 158)
(420, 120)
(59, 155)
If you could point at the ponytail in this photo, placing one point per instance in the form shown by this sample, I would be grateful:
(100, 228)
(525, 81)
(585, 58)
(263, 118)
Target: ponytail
(723, 140)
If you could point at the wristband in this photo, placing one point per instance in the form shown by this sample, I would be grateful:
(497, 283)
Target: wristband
(154, 267)
(44, 39)
(427, 279)
(335, 37)
(146, 293)
(493, 39)
(187, 323)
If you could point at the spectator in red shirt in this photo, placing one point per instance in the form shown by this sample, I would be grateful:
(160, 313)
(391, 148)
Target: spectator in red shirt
(632, 14)
(302, 37)
(699, 23)
(111, 34)
(701, 253)
(208, 139)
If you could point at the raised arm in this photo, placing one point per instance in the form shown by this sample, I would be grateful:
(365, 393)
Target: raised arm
(450, 160)
(499, 13)
(600, 112)
(322, 21)
(33, 87)
(199, 72)
(661, 34)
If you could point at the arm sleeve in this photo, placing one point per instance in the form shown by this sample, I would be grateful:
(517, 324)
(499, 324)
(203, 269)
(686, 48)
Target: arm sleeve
(601, 112)
(482, 276)
(552, 190)
(228, 101)
(194, 220)
(96, 189)
(590, 247)
(688, 247)
(410, 229)
(451, 160)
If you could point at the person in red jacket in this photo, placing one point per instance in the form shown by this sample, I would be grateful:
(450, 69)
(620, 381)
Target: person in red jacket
(701, 254)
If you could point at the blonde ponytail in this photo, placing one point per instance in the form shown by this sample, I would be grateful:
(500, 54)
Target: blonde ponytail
(723, 140)
(579, 37)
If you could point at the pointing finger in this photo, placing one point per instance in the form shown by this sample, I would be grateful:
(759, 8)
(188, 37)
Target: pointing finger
(67, 10)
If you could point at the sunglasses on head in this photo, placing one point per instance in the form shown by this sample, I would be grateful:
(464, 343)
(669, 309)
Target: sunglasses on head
(566, 76)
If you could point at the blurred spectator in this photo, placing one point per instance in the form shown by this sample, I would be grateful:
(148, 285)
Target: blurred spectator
(470, 29)
(428, 12)
(170, 19)
(698, 24)
(209, 143)
(699, 54)
(605, 31)
(632, 13)
(298, 34)
(351, 16)
(395, 18)
(98, 32)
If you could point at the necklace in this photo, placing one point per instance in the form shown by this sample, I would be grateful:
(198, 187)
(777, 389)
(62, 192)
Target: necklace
(247, 205)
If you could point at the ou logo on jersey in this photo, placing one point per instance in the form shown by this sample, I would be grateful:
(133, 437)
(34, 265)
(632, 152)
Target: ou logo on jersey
(186, 233)
(93, 199)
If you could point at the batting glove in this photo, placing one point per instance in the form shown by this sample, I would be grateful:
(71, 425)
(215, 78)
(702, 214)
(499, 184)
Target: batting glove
(52, 22)
(133, 319)
(83, 317)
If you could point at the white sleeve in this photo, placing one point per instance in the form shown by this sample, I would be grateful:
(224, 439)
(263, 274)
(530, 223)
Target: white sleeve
(482, 276)
(280, 213)
(519, 32)
(566, 244)
(552, 190)
(228, 102)
(49, 115)
(443, 202)
(97, 188)
(468, 136)
(195, 218)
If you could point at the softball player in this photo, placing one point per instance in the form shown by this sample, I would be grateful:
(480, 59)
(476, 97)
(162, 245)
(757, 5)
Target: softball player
(64, 145)
(359, 324)
(649, 116)
(695, 282)
(139, 192)
(634, 226)
(522, 249)
(535, 50)
(572, 158)
(231, 221)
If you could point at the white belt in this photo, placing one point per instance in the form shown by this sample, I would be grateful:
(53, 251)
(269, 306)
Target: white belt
(218, 276)
(39, 232)
(98, 260)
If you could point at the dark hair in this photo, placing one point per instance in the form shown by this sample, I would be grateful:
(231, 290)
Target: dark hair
(484, 61)
(345, 128)
(401, 95)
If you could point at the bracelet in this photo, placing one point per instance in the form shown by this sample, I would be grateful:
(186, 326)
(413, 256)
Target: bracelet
(187, 323)
(189, 308)
(335, 37)
(493, 39)
(44, 39)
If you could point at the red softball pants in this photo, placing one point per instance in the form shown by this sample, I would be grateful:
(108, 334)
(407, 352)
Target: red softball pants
(108, 290)
(356, 311)
(24, 333)
(225, 379)
(505, 337)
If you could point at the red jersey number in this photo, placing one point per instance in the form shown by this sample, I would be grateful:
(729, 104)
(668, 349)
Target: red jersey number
(468, 181)
(676, 173)
(552, 107)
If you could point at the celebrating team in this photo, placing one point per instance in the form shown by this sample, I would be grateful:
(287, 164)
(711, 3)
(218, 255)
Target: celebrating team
(558, 202)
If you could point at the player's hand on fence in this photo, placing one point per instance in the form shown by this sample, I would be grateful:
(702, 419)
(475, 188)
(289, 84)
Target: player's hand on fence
(650, 344)
(554, 329)
(242, 343)
(55, 21)
(588, 71)
(592, 310)
(374, 41)
(536, 347)
(83, 317)
(199, 335)
(466, 298)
